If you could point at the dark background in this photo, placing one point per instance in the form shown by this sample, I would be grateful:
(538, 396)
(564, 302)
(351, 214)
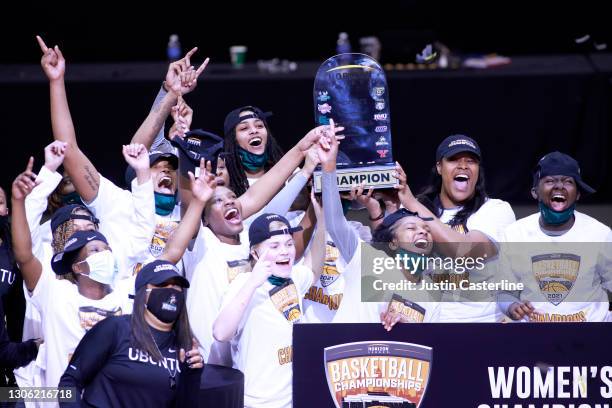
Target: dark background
(554, 96)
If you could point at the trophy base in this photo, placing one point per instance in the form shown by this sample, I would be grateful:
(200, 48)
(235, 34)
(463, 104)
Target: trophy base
(380, 176)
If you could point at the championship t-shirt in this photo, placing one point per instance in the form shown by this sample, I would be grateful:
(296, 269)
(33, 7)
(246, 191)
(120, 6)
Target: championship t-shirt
(262, 347)
(565, 276)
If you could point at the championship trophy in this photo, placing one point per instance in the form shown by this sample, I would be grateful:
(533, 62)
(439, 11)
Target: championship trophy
(352, 90)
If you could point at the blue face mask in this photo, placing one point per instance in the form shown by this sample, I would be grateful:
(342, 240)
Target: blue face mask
(252, 162)
(413, 259)
(164, 203)
(276, 281)
(72, 198)
(552, 217)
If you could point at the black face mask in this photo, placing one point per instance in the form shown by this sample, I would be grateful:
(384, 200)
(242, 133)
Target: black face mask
(166, 303)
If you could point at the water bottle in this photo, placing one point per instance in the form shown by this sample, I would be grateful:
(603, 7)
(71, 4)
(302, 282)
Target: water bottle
(343, 45)
(174, 48)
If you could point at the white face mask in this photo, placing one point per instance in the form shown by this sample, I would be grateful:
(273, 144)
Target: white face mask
(102, 267)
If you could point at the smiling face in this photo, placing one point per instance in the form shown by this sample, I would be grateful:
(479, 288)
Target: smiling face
(223, 214)
(163, 175)
(459, 178)
(251, 134)
(556, 192)
(412, 234)
(280, 251)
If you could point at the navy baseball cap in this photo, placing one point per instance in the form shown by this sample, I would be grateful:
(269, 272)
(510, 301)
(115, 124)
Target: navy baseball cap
(61, 263)
(67, 212)
(383, 232)
(158, 272)
(197, 144)
(155, 156)
(259, 230)
(233, 118)
(560, 164)
(457, 144)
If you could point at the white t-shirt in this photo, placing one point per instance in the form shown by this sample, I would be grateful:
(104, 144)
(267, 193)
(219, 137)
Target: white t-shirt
(67, 315)
(262, 347)
(584, 253)
(490, 219)
(210, 267)
(128, 221)
(353, 310)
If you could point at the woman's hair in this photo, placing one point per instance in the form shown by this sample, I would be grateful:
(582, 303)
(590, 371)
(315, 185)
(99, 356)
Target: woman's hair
(238, 178)
(430, 198)
(142, 337)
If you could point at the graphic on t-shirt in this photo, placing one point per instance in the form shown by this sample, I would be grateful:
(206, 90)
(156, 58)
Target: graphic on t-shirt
(90, 315)
(236, 267)
(409, 312)
(330, 271)
(556, 274)
(285, 299)
(377, 374)
(163, 230)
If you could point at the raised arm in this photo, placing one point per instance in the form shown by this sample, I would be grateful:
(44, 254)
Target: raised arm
(181, 79)
(315, 257)
(30, 267)
(474, 243)
(227, 323)
(84, 175)
(338, 227)
(270, 183)
(202, 189)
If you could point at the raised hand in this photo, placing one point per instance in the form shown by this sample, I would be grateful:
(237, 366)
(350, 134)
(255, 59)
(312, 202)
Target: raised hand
(262, 270)
(52, 61)
(327, 148)
(137, 156)
(182, 115)
(322, 135)
(54, 155)
(24, 183)
(311, 162)
(204, 186)
(403, 190)
(182, 77)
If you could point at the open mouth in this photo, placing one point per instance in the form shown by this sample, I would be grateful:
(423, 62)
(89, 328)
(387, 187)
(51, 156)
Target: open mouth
(558, 202)
(219, 181)
(232, 215)
(283, 262)
(165, 181)
(421, 243)
(461, 182)
(256, 141)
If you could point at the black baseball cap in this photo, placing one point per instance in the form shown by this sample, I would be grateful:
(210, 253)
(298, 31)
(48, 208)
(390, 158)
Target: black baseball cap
(155, 156)
(259, 230)
(383, 232)
(61, 263)
(457, 144)
(560, 164)
(67, 212)
(233, 118)
(158, 272)
(197, 144)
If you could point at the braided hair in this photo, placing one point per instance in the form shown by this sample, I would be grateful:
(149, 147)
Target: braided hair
(238, 178)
